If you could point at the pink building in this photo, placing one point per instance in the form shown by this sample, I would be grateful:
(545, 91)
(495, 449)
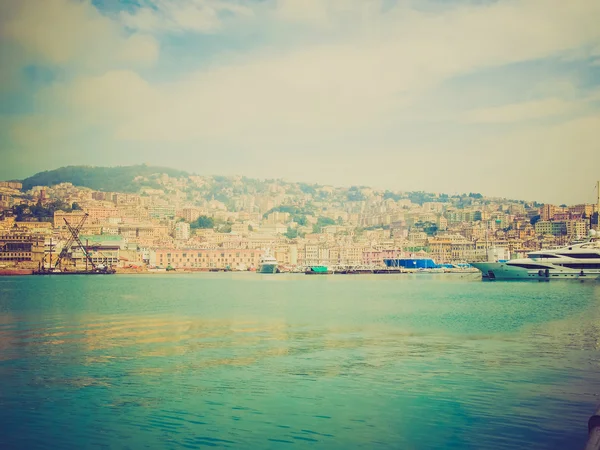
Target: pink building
(377, 257)
(205, 258)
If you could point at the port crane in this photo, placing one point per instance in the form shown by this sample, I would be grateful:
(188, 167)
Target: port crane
(90, 267)
(72, 238)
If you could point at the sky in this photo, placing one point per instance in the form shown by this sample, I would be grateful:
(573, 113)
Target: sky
(498, 97)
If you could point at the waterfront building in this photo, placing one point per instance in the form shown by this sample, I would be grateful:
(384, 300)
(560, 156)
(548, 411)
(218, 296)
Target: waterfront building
(351, 254)
(204, 258)
(101, 251)
(376, 257)
(21, 245)
(311, 254)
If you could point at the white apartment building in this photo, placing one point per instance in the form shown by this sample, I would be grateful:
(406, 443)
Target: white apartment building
(182, 231)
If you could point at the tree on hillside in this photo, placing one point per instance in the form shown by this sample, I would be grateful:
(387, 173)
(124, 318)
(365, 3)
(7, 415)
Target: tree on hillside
(322, 222)
(203, 222)
(300, 219)
(291, 233)
(225, 228)
(354, 194)
(39, 213)
(111, 179)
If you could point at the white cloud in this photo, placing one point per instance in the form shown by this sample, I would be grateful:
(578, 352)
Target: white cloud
(351, 84)
(528, 158)
(371, 74)
(202, 16)
(73, 33)
(111, 97)
(520, 112)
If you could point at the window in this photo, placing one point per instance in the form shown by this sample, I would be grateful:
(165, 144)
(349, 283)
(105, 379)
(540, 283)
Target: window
(581, 266)
(582, 255)
(528, 266)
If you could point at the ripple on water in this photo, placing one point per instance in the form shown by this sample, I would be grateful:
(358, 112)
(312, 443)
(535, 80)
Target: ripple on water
(226, 361)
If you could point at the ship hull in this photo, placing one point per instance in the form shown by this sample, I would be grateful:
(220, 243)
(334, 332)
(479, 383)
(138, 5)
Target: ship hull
(501, 271)
(267, 268)
(11, 272)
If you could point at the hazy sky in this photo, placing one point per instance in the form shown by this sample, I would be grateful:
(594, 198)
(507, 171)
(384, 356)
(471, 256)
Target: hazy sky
(498, 97)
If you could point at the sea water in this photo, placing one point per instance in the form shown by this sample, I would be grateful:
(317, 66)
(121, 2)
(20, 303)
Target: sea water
(243, 360)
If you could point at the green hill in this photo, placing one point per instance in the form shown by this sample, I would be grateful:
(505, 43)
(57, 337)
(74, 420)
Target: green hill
(110, 179)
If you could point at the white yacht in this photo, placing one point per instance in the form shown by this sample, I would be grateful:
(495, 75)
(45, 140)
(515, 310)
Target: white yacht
(576, 261)
(268, 264)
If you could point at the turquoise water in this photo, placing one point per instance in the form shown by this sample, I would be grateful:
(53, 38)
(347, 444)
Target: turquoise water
(293, 361)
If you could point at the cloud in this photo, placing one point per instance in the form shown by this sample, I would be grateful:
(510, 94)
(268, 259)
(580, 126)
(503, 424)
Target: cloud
(71, 33)
(111, 97)
(349, 84)
(203, 16)
(527, 158)
(364, 90)
(524, 111)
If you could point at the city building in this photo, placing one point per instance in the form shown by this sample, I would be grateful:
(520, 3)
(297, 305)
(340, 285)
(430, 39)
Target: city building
(204, 258)
(182, 231)
(21, 245)
(555, 228)
(17, 185)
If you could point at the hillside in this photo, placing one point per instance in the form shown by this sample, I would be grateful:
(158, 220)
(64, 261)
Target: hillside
(111, 179)
(230, 190)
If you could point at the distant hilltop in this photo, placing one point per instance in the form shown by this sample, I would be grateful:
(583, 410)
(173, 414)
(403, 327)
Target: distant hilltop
(111, 179)
(144, 178)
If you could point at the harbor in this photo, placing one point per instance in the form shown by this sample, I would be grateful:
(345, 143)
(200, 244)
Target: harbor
(300, 224)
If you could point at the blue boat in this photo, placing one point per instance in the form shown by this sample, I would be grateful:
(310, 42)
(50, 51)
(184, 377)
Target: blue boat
(412, 263)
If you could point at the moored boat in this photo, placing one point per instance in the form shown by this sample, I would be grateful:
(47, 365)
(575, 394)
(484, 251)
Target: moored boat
(268, 264)
(14, 271)
(577, 261)
(318, 270)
